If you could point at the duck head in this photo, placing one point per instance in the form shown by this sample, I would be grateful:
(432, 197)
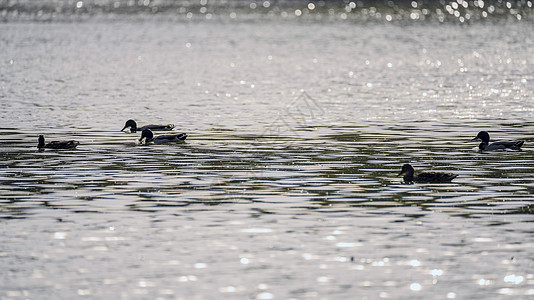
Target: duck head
(132, 124)
(147, 135)
(406, 169)
(408, 172)
(484, 136)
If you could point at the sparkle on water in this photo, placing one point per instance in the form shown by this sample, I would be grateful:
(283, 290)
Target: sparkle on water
(391, 11)
(299, 116)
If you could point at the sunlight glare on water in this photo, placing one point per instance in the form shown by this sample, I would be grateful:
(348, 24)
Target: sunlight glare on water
(299, 117)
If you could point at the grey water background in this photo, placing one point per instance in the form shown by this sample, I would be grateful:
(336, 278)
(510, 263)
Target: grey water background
(299, 118)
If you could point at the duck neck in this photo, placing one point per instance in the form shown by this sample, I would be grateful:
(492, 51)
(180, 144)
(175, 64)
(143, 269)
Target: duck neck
(483, 146)
(408, 177)
(41, 142)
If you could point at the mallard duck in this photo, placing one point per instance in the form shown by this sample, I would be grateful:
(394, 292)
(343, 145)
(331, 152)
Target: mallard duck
(410, 176)
(161, 139)
(133, 127)
(486, 146)
(56, 144)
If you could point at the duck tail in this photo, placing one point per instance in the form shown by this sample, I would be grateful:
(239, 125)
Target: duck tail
(517, 145)
(71, 144)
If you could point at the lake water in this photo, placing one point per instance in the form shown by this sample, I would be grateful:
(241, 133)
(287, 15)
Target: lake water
(286, 188)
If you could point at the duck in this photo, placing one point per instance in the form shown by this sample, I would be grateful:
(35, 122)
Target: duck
(428, 177)
(161, 139)
(503, 145)
(56, 144)
(133, 127)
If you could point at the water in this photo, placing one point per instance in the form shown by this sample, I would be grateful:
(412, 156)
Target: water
(286, 187)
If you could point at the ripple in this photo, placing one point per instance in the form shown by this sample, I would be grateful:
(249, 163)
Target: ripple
(302, 186)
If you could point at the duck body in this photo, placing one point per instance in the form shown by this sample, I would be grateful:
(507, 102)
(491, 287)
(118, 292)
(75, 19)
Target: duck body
(148, 136)
(56, 144)
(511, 145)
(496, 146)
(424, 177)
(133, 127)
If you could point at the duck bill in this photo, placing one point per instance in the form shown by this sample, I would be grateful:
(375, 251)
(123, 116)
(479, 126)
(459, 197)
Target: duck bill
(124, 128)
(401, 173)
(474, 139)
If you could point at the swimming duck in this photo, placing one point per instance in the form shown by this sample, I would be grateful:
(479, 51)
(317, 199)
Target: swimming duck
(56, 144)
(486, 146)
(161, 139)
(430, 177)
(133, 127)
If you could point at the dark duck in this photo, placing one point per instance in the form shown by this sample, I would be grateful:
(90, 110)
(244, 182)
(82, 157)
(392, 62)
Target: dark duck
(429, 177)
(133, 127)
(503, 145)
(56, 144)
(148, 138)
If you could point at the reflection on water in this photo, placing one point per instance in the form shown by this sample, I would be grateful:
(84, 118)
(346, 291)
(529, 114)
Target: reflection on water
(459, 11)
(327, 211)
(286, 186)
(337, 165)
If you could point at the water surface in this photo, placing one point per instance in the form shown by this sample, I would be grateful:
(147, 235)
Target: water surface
(286, 186)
